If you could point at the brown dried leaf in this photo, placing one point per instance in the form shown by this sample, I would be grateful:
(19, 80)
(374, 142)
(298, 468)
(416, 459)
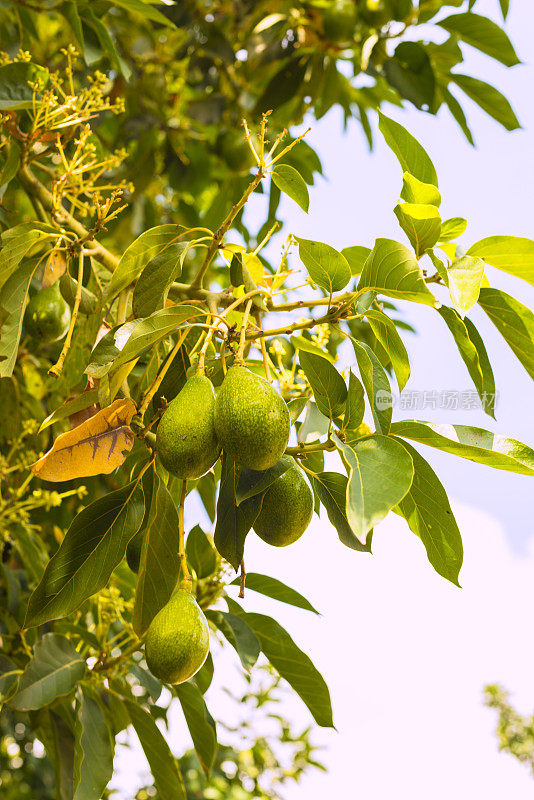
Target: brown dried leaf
(95, 447)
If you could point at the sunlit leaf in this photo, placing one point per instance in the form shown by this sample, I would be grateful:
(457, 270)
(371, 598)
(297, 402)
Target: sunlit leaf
(164, 767)
(272, 587)
(329, 389)
(411, 155)
(427, 511)
(476, 444)
(514, 321)
(482, 33)
(327, 267)
(93, 546)
(291, 183)
(53, 672)
(513, 254)
(387, 334)
(331, 488)
(159, 565)
(380, 472)
(199, 722)
(93, 748)
(239, 634)
(465, 277)
(391, 269)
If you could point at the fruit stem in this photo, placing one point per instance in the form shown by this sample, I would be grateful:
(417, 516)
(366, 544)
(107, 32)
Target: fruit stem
(243, 578)
(156, 383)
(309, 448)
(186, 582)
(57, 369)
(265, 360)
(242, 337)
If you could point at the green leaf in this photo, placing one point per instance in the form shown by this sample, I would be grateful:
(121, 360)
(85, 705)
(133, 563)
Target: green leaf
(489, 99)
(293, 184)
(356, 256)
(420, 223)
(106, 42)
(301, 343)
(70, 11)
(93, 546)
(15, 93)
(9, 674)
(164, 767)
(201, 554)
(147, 680)
(411, 155)
(391, 269)
(474, 356)
(465, 276)
(11, 164)
(54, 671)
(513, 254)
(79, 403)
(380, 472)
(415, 191)
(482, 33)
(58, 738)
(239, 634)
(271, 587)
(204, 676)
(475, 444)
(146, 247)
(93, 749)
(354, 405)
(147, 332)
(376, 385)
(452, 228)
(387, 334)
(505, 7)
(153, 285)
(410, 72)
(144, 9)
(159, 566)
(12, 302)
(331, 488)
(233, 522)
(327, 268)
(293, 665)
(457, 112)
(200, 723)
(252, 482)
(427, 511)
(514, 321)
(329, 389)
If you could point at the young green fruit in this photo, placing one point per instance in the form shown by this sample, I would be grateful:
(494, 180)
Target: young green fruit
(186, 442)
(177, 640)
(286, 510)
(47, 315)
(251, 419)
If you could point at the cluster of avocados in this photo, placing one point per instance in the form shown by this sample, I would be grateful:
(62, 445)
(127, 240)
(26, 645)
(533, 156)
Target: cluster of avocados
(250, 421)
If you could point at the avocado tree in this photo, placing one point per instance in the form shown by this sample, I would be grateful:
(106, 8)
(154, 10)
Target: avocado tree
(157, 353)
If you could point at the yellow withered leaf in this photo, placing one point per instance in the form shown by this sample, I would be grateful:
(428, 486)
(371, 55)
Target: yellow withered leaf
(56, 264)
(95, 447)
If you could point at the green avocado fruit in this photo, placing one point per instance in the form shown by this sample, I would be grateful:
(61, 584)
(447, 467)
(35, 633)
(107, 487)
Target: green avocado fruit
(286, 510)
(339, 21)
(47, 315)
(186, 442)
(177, 640)
(251, 419)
